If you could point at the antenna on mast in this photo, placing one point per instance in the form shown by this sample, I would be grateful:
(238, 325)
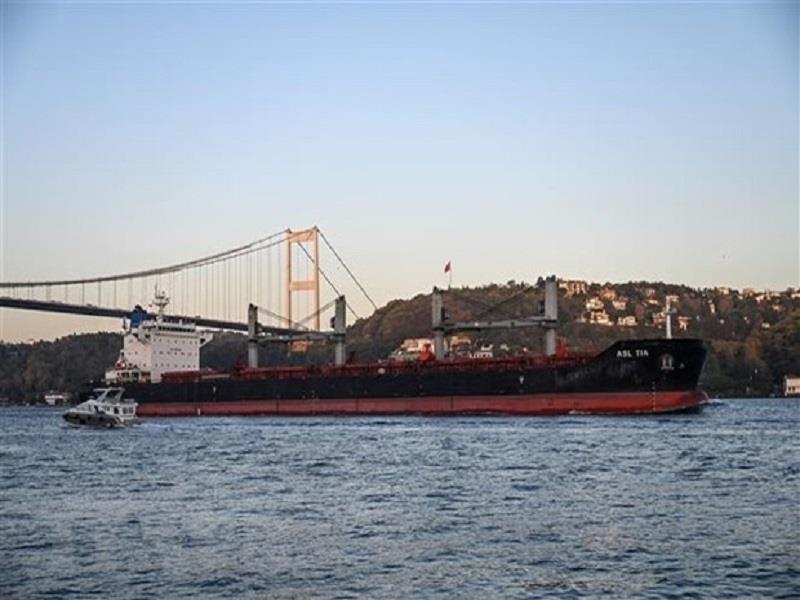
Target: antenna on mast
(160, 300)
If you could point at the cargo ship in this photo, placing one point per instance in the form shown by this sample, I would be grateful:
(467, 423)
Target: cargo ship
(159, 367)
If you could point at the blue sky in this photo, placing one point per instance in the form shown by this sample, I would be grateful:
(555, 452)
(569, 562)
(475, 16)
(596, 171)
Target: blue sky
(600, 141)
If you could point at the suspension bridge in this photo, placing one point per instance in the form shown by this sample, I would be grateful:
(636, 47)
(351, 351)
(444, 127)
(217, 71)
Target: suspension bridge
(281, 275)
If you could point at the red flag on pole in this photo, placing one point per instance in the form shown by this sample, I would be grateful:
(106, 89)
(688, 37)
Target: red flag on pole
(447, 267)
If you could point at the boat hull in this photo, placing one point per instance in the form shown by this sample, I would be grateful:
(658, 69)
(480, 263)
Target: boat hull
(630, 377)
(530, 404)
(96, 421)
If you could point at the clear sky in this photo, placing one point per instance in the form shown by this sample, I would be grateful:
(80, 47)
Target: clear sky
(617, 142)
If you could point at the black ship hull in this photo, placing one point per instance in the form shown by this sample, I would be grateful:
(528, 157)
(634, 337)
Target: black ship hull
(636, 376)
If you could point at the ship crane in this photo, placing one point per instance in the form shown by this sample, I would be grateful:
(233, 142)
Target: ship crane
(257, 334)
(668, 312)
(548, 320)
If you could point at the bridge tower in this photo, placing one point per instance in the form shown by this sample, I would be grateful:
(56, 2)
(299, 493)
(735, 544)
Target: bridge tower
(309, 237)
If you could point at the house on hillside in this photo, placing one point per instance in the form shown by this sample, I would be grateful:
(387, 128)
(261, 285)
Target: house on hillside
(594, 303)
(600, 317)
(460, 346)
(573, 288)
(791, 385)
(608, 293)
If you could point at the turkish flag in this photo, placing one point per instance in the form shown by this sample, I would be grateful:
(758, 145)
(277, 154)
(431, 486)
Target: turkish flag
(447, 267)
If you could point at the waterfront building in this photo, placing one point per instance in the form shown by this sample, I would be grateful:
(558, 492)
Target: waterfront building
(791, 385)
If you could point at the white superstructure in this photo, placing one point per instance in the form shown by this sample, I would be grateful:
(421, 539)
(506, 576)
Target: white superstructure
(155, 344)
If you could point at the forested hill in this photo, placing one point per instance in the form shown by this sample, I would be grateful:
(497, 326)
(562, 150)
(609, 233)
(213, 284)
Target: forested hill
(28, 371)
(754, 337)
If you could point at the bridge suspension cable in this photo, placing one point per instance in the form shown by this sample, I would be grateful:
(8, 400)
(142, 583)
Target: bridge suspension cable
(349, 272)
(215, 288)
(206, 260)
(328, 281)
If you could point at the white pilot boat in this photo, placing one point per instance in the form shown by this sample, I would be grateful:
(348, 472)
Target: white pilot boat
(106, 408)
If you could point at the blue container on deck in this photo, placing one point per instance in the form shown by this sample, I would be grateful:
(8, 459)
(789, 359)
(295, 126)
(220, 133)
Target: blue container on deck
(138, 316)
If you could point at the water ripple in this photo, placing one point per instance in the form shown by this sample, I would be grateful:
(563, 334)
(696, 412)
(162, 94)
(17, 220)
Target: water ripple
(663, 507)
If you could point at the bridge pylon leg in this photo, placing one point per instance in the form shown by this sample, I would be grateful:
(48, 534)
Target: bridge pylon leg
(307, 236)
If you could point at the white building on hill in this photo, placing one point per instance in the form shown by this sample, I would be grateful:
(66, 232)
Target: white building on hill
(791, 385)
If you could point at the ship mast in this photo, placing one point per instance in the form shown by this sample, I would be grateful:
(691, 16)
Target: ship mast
(548, 320)
(668, 312)
(160, 301)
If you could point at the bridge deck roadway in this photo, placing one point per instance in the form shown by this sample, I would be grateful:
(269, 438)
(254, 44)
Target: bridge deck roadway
(99, 311)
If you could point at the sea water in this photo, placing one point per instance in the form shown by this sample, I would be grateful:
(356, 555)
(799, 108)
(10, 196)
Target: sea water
(673, 506)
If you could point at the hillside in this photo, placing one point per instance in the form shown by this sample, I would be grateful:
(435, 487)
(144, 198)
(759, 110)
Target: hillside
(754, 338)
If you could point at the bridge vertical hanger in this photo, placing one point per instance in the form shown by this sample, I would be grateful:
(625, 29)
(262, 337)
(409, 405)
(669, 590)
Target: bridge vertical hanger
(302, 285)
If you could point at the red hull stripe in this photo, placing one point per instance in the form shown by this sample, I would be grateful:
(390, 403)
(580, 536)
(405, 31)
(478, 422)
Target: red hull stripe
(536, 404)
